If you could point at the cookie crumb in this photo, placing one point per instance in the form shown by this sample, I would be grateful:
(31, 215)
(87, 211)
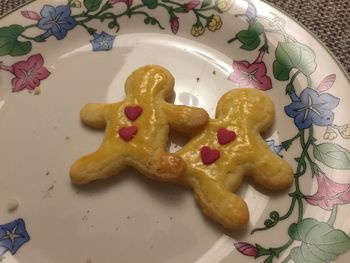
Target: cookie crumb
(214, 72)
(12, 205)
(67, 138)
(37, 90)
(171, 218)
(51, 188)
(47, 173)
(197, 79)
(128, 217)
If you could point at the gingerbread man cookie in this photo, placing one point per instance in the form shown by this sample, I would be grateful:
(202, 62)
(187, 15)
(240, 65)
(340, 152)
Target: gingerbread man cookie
(136, 130)
(229, 148)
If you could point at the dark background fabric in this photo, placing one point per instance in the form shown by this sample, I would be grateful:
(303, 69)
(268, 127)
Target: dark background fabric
(327, 19)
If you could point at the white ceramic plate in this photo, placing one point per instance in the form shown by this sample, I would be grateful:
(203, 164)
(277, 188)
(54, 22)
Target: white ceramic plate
(58, 52)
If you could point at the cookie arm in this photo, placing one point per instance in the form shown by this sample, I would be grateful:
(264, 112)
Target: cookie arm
(163, 166)
(92, 114)
(185, 119)
(271, 171)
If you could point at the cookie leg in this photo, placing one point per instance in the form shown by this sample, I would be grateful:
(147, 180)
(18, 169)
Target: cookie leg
(223, 206)
(166, 167)
(98, 165)
(271, 171)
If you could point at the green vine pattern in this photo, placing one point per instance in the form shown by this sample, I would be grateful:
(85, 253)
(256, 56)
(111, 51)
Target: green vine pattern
(320, 241)
(57, 21)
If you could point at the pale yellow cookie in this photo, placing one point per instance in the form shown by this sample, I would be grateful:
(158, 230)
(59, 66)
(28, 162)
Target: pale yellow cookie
(229, 148)
(136, 130)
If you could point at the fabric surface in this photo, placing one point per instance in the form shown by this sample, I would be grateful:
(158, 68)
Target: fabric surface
(327, 19)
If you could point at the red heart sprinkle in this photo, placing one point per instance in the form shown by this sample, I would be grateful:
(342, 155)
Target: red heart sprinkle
(127, 133)
(225, 136)
(133, 112)
(209, 155)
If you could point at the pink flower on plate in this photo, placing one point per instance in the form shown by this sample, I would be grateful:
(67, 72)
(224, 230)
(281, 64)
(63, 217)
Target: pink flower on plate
(246, 249)
(192, 5)
(174, 24)
(329, 193)
(28, 73)
(127, 2)
(251, 75)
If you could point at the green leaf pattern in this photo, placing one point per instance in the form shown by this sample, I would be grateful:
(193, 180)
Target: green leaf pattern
(333, 155)
(9, 43)
(92, 5)
(251, 38)
(321, 243)
(293, 55)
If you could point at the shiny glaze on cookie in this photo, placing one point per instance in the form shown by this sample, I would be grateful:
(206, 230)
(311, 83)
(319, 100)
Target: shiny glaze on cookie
(248, 113)
(136, 130)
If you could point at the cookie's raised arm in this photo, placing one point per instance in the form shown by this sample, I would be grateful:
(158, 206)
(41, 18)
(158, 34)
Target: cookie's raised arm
(92, 114)
(185, 119)
(269, 170)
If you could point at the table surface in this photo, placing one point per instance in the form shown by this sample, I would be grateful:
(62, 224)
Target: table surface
(329, 20)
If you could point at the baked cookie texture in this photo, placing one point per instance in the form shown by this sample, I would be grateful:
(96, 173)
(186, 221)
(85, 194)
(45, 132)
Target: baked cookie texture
(136, 130)
(229, 148)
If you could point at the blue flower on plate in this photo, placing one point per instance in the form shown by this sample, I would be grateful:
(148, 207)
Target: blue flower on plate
(311, 108)
(275, 148)
(102, 42)
(56, 21)
(12, 236)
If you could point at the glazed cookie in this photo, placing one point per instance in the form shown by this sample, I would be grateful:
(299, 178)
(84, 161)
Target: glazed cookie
(229, 148)
(136, 130)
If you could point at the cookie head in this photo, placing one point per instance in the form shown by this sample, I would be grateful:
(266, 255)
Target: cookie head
(256, 108)
(152, 80)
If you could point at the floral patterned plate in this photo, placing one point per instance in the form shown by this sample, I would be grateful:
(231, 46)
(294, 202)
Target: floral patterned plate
(58, 55)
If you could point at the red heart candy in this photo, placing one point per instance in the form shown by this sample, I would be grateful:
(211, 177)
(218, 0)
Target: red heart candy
(133, 112)
(209, 155)
(127, 133)
(225, 136)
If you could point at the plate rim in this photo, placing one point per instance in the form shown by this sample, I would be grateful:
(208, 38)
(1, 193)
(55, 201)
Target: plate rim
(334, 57)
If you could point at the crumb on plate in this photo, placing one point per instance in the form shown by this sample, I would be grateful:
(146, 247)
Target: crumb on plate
(12, 205)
